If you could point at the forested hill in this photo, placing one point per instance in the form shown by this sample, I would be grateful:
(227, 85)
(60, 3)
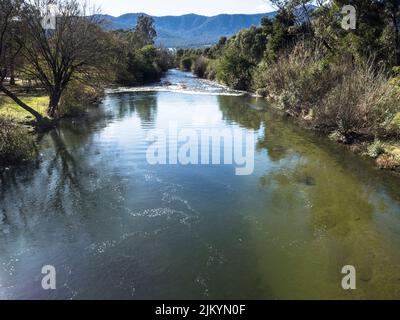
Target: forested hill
(191, 30)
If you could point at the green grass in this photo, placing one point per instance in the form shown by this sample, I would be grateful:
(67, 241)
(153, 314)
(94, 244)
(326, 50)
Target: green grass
(9, 108)
(393, 148)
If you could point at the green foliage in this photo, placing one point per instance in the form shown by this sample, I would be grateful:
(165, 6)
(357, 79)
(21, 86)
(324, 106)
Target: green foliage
(16, 143)
(199, 66)
(144, 33)
(394, 125)
(376, 149)
(282, 35)
(78, 97)
(186, 63)
(211, 72)
(138, 60)
(234, 69)
(141, 67)
(231, 61)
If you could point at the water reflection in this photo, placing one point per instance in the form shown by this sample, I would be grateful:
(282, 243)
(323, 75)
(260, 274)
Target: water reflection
(143, 106)
(116, 227)
(242, 110)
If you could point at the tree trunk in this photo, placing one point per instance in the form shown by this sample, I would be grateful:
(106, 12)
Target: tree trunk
(12, 75)
(33, 112)
(53, 104)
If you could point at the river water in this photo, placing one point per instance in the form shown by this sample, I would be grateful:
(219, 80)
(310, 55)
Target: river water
(115, 226)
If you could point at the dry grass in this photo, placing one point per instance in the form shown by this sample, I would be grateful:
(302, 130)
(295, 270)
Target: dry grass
(363, 101)
(332, 94)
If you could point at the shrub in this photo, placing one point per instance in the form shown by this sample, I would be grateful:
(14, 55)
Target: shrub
(186, 63)
(376, 149)
(298, 79)
(16, 143)
(199, 67)
(141, 67)
(389, 162)
(211, 72)
(394, 125)
(77, 97)
(361, 101)
(263, 92)
(234, 70)
(344, 97)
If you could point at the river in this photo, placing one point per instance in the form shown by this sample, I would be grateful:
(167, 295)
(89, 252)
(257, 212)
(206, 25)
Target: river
(115, 226)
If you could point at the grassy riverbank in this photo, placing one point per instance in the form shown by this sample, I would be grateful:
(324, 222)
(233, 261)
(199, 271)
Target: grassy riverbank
(353, 103)
(18, 127)
(17, 137)
(9, 109)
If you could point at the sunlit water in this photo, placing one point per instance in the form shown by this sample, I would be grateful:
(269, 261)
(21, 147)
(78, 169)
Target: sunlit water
(114, 226)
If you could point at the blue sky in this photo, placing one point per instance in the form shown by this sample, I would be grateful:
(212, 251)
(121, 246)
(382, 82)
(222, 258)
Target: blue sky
(178, 7)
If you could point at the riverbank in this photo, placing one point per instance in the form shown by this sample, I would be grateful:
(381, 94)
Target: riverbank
(17, 128)
(20, 130)
(9, 109)
(385, 152)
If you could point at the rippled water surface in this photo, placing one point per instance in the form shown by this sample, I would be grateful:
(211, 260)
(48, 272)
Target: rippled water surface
(116, 227)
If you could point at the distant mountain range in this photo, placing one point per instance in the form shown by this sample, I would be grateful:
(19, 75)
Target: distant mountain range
(190, 30)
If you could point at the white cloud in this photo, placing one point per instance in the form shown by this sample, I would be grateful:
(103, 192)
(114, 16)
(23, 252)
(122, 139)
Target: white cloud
(265, 6)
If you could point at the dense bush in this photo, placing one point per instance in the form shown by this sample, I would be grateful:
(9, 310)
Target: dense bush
(16, 143)
(142, 66)
(376, 149)
(297, 79)
(234, 69)
(363, 102)
(230, 61)
(200, 65)
(333, 94)
(211, 72)
(186, 63)
(78, 97)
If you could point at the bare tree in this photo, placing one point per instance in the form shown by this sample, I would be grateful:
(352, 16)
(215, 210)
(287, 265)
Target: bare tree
(77, 47)
(9, 21)
(71, 50)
